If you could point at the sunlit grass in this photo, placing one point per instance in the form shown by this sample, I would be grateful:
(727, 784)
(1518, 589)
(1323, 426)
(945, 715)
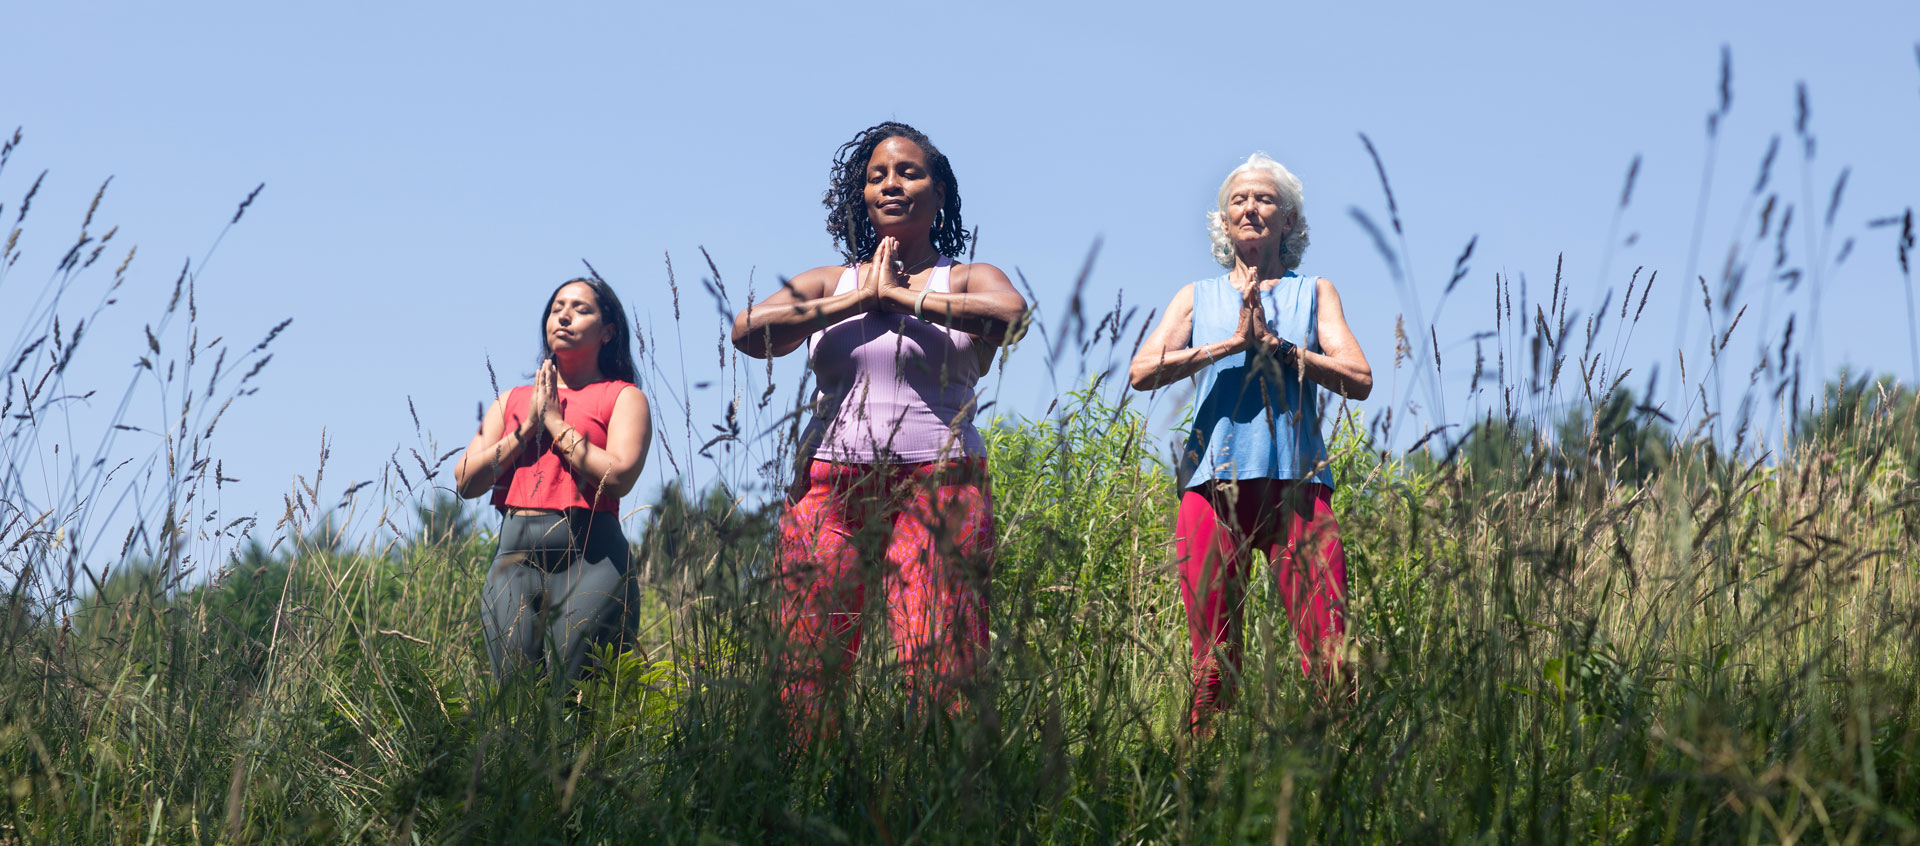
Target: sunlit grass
(1585, 626)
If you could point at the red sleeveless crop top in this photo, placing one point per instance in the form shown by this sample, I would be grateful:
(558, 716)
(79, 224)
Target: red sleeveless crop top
(540, 478)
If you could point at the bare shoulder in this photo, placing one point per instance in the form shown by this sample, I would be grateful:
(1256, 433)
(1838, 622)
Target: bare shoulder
(979, 276)
(1182, 299)
(496, 414)
(631, 405)
(1325, 287)
(1177, 317)
(1175, 329)
(818, 282)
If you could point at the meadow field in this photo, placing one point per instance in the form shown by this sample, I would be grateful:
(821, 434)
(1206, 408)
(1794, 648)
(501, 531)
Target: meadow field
(1587, 615)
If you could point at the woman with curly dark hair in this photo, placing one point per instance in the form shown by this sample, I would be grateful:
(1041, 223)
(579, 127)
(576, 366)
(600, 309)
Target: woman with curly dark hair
(892, 469)
(558, 454)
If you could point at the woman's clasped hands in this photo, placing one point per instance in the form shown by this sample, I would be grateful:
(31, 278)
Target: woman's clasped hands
(544, 409)
(882, 284)
(1252, 331)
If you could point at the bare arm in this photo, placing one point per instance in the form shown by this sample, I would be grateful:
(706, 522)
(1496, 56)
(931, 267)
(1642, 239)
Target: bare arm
(491, 449)
(616, 466)
(1164, 355)
(1342, 368)
(780, 323)
(981, 301)
(1165, 358)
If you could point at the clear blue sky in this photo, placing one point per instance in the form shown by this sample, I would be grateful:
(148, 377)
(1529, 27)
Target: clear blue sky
(432, 170)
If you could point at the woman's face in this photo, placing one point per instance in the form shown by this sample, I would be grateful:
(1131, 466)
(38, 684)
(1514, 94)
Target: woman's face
(574, 321)
(902, 195)
(1253, 215)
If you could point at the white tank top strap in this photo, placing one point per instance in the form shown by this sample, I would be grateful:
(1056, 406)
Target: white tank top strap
(941, 281)
(872, 403)
(849, 279)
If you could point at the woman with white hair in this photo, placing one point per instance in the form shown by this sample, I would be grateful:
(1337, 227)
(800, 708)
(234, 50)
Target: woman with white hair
(1262, 338)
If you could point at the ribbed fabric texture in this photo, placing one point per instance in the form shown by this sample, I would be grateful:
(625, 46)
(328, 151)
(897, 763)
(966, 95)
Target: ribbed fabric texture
(894, 388)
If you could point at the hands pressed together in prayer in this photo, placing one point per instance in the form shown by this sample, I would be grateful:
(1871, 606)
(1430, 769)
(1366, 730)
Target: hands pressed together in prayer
(1252, 332)
(544, 410)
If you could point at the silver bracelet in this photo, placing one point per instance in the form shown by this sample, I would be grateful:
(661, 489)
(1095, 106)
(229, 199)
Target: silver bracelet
(920, 302)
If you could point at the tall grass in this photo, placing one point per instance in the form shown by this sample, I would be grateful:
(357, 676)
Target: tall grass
(1598, 627)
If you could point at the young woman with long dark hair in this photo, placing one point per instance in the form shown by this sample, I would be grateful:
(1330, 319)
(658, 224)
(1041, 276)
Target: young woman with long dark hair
(557, 455)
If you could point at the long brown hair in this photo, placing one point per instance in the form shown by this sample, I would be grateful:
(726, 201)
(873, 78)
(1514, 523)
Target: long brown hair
(616, 355)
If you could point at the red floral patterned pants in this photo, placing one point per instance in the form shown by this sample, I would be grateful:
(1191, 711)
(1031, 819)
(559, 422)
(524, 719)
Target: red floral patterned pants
(924, 532)
(1292, 522)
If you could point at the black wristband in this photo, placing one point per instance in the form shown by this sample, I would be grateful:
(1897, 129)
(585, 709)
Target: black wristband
(1287, 353)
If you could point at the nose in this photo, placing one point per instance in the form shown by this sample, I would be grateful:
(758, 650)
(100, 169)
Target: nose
(890, 184)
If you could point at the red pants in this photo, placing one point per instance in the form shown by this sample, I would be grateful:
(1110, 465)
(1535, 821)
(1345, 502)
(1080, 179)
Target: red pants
(1219, 523)
(926, 532)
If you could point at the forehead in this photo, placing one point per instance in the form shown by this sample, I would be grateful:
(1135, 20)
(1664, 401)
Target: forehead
(573, 292)
(1253, 180)
(895, 149)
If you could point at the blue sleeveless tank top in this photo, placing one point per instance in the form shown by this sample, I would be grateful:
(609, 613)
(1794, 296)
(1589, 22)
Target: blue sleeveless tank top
(1253, 421)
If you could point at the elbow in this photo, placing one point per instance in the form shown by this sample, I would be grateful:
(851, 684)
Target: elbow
(472, 485)
(1361, 387)
(1143, 375)
(992, 330)
(749, 346)
(749, 343)
(467, 484)
(621, 482)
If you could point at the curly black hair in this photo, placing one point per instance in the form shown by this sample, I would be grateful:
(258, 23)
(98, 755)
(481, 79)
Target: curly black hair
(616, 355)
(846, 198)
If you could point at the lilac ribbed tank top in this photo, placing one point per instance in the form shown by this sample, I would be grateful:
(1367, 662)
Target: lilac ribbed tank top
(893, 388)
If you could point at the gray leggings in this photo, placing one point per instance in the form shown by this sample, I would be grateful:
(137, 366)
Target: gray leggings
(559, 579)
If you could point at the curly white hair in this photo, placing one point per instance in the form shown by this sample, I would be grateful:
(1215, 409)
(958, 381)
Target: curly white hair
(1292, 200)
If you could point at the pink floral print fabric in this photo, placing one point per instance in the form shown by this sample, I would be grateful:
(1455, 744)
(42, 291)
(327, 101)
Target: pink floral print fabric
(924, 533)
